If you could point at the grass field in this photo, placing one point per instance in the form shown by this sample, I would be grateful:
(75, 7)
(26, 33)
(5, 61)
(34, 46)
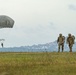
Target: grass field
(38, 63)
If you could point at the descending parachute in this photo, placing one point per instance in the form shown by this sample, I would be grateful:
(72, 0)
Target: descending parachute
(6, 22)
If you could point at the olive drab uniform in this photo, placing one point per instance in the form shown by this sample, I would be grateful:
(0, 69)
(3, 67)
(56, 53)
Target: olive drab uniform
(70, 41)
(60, 41)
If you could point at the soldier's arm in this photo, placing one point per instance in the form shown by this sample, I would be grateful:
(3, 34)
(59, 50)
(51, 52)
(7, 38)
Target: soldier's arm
(63, 39)
(58, 40)
(67, 40)
(73, 37)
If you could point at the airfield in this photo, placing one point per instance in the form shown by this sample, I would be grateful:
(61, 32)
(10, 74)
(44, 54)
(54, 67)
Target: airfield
(37, 63)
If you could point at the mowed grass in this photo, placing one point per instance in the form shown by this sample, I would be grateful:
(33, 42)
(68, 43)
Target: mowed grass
(45, 63)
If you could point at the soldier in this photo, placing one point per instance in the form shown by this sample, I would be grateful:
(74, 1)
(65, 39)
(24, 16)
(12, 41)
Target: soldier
(60, 41)
(70, 41)
(2, 45)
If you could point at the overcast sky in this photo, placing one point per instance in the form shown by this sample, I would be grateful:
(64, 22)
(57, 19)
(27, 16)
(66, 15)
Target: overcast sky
(37, 21)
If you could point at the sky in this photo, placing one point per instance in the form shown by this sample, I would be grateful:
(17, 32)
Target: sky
(37, 21)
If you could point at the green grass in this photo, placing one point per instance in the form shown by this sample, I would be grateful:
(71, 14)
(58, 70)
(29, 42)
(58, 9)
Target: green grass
(38, 63)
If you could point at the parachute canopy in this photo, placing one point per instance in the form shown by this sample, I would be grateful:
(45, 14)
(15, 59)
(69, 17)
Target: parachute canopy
(6, 22)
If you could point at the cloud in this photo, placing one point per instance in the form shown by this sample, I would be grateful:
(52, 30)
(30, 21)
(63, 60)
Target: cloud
(37, 21)
(72, 7)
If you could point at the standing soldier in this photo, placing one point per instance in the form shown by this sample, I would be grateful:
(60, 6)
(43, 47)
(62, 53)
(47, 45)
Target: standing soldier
(70, 41)
(2, 45)
(60, 41)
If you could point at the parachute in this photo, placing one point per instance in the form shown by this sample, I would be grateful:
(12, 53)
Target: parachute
(6, 22)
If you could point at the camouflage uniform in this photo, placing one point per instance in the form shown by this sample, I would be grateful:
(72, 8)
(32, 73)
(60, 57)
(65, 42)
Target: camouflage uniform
(70, 41)
(60, 41)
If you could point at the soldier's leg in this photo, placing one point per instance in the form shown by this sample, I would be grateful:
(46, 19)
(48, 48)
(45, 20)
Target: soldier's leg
(62, 47)
(70, 47)
(59, 48)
